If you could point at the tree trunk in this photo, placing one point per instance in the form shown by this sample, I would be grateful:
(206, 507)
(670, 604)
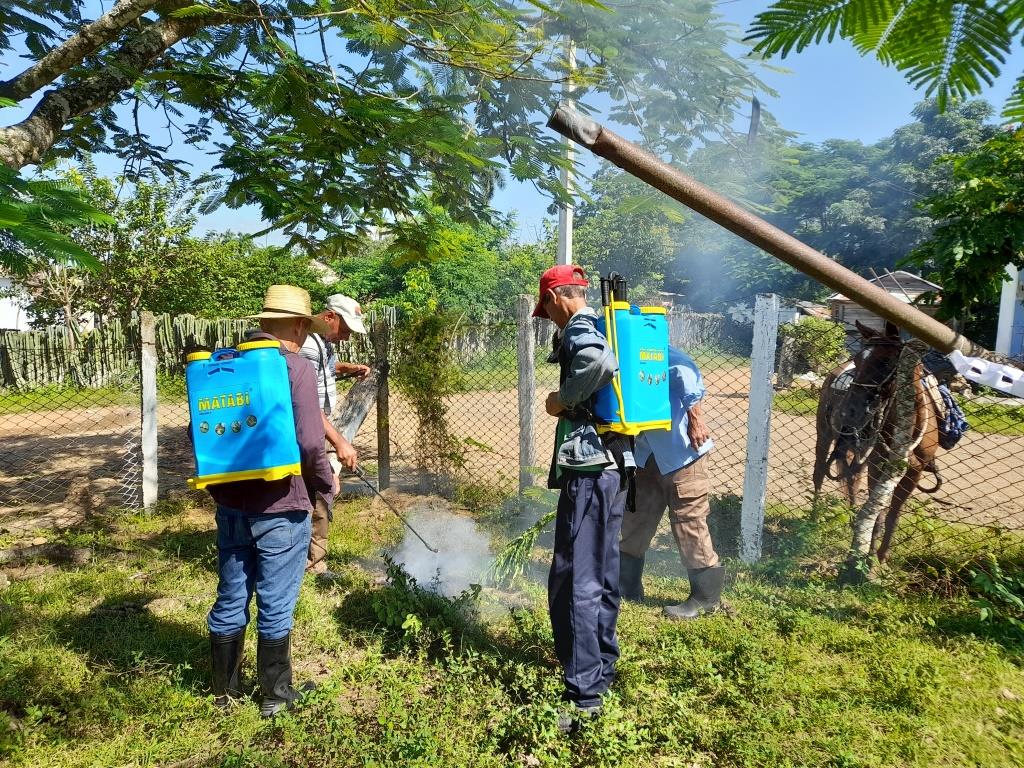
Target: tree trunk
(27, 142)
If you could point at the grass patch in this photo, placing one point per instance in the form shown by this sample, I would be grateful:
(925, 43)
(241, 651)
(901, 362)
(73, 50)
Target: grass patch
(14, 401)
(106, 664)
(800, 402)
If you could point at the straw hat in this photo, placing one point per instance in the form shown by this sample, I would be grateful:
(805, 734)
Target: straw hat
(290, 302)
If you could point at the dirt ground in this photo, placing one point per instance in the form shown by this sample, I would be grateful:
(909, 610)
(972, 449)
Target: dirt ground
(56, 466)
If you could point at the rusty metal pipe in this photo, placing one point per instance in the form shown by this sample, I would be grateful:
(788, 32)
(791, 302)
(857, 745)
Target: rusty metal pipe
(691, 193)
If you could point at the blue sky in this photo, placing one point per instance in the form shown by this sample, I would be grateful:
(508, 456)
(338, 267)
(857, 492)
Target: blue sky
(829, 92)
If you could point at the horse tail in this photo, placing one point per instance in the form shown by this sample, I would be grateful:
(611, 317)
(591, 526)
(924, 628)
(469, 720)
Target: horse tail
(934, 470)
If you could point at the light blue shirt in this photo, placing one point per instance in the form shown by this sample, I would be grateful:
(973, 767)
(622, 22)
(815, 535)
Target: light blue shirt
(672, 449)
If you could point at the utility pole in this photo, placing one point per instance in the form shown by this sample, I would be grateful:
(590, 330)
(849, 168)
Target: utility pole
(565, 211)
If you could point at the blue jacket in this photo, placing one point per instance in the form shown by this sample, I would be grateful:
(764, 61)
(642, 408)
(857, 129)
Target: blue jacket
(673, 450)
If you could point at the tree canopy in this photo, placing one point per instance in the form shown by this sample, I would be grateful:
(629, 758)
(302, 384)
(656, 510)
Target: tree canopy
(333, 116)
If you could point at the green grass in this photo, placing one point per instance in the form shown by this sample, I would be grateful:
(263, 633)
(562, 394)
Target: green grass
(106, 664)
(800, 402)
(59, 398)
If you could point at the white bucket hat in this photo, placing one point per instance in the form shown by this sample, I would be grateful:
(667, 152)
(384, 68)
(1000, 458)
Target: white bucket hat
(290, 302)
(349, 311)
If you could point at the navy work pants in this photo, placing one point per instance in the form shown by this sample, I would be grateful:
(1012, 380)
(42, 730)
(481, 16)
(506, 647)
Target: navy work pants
(583, 586)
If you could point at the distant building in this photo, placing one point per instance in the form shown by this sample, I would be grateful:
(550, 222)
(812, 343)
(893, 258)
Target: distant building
(12, 314)
(904, 286)
(1010, 331)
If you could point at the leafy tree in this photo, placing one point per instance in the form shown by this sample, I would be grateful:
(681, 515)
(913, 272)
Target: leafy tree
(980, 228)
(147, 258)
(626, 227)
(950, 49)
(331, 116)
(29, 212)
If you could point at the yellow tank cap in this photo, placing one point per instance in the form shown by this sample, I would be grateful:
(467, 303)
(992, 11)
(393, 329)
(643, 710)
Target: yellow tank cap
(192, 357)
(654, 310)
(245, 346)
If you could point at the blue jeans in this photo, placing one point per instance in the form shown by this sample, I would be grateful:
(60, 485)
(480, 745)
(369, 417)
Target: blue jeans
(583, 586)
(261, 553)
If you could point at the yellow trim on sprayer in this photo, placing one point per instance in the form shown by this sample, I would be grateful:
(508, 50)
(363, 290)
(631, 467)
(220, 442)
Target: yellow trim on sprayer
(634, 429)
(258, 344)
(192, 357)
(613, 340)
(653, 311)
(270, 473)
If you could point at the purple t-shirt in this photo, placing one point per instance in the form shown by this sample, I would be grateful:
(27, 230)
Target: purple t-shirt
(292, 493)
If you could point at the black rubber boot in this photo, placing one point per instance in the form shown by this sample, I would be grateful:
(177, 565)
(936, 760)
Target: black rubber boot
(274, 667)
(631, 571)
(705, 594)
(226, 659)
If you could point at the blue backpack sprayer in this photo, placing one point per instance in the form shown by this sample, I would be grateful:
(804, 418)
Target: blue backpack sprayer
(637, 398)
(243, 424)
(240, 405)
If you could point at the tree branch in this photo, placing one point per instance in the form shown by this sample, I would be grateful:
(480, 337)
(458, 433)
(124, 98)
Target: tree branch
(73, 51)
(26, 142)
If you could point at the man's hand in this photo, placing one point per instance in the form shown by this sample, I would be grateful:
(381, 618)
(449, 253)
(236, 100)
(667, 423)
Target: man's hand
(353, 370)
(553, 405)
(337, 485)
(346, 454)
(696, 429)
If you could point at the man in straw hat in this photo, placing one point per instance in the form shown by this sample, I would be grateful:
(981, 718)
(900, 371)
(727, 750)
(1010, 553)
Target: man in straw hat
(342, 317)
(263, 527)
(592, 473)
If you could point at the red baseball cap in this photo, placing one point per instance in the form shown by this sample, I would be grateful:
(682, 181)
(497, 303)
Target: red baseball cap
(556, 277)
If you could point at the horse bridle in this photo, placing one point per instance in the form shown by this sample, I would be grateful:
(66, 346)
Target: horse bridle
(869, 416)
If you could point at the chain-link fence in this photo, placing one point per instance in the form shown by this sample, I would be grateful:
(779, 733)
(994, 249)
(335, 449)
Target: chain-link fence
(69, 425)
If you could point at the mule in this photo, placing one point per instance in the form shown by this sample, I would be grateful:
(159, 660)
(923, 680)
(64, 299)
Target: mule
(858, 429)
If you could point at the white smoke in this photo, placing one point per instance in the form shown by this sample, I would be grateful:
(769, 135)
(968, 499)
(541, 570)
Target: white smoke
(463, 554)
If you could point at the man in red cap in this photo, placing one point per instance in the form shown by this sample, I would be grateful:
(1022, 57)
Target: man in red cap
(590, 471)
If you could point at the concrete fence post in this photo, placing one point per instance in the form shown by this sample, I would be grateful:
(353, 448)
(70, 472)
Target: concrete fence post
(759, 422)
(380, 334)
(525, 353)
(148, 364)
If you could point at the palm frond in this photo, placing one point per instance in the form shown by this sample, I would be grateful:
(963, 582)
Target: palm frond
(947, 48)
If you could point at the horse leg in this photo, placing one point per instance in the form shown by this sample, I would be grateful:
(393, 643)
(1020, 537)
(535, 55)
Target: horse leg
(899, 498)
(822, 448)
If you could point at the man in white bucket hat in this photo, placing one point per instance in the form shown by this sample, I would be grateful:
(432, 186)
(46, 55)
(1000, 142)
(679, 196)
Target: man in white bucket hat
(263, 527)
(342, 316)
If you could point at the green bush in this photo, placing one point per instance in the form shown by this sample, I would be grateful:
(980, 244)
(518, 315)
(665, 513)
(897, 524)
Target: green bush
(818, 342)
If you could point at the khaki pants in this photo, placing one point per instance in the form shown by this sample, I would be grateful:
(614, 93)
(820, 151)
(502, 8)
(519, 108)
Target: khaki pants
(685, 493)
(316, 560)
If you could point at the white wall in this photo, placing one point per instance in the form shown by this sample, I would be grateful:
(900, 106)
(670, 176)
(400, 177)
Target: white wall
(11, 313)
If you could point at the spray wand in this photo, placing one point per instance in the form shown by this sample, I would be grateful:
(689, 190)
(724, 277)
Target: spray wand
(362, 476)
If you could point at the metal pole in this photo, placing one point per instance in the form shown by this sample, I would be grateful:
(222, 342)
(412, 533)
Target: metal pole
(527, 391)
(691, 193)
(565, 211)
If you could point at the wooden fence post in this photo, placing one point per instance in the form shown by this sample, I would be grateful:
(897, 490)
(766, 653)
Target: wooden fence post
(150, 474)
(381, 335)
(525, 353)
(759, 422)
